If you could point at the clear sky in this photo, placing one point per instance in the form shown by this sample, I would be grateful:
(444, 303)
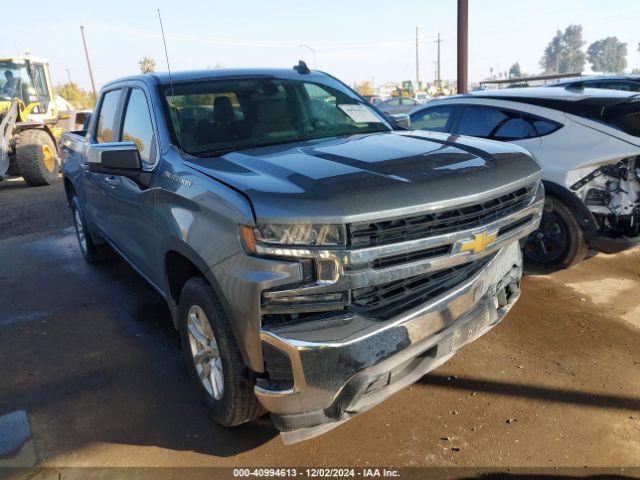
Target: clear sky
(353, 39)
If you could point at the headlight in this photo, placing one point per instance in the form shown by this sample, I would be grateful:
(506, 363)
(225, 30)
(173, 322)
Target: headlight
(307, 235)
(636, 167)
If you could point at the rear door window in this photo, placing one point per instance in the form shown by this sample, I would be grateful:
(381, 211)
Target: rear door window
(105, 128)
(481, 121)
(515, 128)
(503, 125)
(436, 119)
(544, 127)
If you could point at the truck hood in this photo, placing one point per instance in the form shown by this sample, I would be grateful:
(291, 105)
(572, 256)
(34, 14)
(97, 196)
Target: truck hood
(365, 177)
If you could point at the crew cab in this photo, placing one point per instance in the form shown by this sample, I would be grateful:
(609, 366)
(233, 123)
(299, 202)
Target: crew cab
(315, 257)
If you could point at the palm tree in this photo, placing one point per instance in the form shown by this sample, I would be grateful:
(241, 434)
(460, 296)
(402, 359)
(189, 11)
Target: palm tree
(147, 65)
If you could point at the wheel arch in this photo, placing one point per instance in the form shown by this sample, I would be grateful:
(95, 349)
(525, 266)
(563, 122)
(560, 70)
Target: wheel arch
(583, 215)
(181, 263)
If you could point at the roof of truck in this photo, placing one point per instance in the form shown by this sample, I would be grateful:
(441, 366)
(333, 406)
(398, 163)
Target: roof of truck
(163, 78)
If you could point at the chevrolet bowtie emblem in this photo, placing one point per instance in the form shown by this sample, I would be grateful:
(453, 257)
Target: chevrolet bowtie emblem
(479, 243)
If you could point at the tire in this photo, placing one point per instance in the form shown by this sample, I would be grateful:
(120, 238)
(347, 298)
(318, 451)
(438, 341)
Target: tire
(229, 400)
(13, 170)
(559, 242)
(36, 157)
(91, 252)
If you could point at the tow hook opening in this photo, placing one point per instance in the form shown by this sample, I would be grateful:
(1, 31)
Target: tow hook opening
(506, 295)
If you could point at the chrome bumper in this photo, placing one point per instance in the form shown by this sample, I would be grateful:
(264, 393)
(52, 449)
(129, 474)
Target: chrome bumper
(348, 363)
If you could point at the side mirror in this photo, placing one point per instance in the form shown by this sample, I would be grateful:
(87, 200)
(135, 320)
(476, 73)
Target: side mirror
(119, 158)
(402, 120)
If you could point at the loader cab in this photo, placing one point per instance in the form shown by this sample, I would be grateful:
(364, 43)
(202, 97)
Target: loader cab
(27, 79)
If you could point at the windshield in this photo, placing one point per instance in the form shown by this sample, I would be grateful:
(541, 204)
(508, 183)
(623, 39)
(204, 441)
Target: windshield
(13, 80)
(214, 117)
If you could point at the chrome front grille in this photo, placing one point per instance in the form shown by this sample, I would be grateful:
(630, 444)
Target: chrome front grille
(428, 257)
(392, 298)
(384, 232)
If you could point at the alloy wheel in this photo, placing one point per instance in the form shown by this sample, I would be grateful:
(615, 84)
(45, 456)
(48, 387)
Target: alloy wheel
(205, 352)
(550, 242)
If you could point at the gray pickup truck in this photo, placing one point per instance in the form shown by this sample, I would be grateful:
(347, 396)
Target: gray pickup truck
(316, 258)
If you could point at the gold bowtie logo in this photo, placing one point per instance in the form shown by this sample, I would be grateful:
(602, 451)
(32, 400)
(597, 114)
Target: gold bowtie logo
(479, 243)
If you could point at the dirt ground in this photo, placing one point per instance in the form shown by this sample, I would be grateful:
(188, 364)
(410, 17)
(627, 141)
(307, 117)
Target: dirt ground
(90, 354)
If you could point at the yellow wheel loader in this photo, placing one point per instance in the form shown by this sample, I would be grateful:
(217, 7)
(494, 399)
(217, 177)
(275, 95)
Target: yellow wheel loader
(28, 117)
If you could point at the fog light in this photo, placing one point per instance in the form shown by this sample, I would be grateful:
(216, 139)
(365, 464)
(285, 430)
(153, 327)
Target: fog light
(306, 299)
(327, 270)
(273, 302)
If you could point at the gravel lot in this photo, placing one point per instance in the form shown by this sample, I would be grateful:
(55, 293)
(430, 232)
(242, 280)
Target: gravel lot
(90, 354)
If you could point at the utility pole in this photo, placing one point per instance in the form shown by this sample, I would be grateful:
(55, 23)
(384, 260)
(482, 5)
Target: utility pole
(417, 55)
(463, 45)
(438, 76)
(86, 54)
(68, 75)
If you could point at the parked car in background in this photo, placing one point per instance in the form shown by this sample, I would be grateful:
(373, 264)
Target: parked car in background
(314, 258)
(629, 83)
(373, 99)
(588, 142)
(423, 97)
(398, 105)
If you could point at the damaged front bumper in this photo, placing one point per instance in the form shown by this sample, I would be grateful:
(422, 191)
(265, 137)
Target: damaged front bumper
(348, 363)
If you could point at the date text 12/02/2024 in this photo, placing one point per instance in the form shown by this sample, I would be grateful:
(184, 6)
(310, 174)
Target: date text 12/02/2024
(317, 472)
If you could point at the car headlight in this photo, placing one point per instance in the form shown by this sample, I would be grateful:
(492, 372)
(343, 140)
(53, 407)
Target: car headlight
(303, 234)
(636, 168)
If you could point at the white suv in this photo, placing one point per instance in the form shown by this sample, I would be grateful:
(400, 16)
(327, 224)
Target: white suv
(588, 142)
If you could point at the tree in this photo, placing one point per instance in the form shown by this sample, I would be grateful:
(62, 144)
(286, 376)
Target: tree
(147, 65)
(608, 55)
(76, 96)
(364, 88)
(564, 52)
(515, 71)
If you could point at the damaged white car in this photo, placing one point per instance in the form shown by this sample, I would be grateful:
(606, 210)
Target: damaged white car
(588, 142)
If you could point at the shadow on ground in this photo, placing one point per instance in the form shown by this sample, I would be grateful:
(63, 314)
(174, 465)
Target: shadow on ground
(98, 359)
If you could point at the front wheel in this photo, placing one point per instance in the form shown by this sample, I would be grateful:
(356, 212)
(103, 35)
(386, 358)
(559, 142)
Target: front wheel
(559, 241)
(213, 359)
